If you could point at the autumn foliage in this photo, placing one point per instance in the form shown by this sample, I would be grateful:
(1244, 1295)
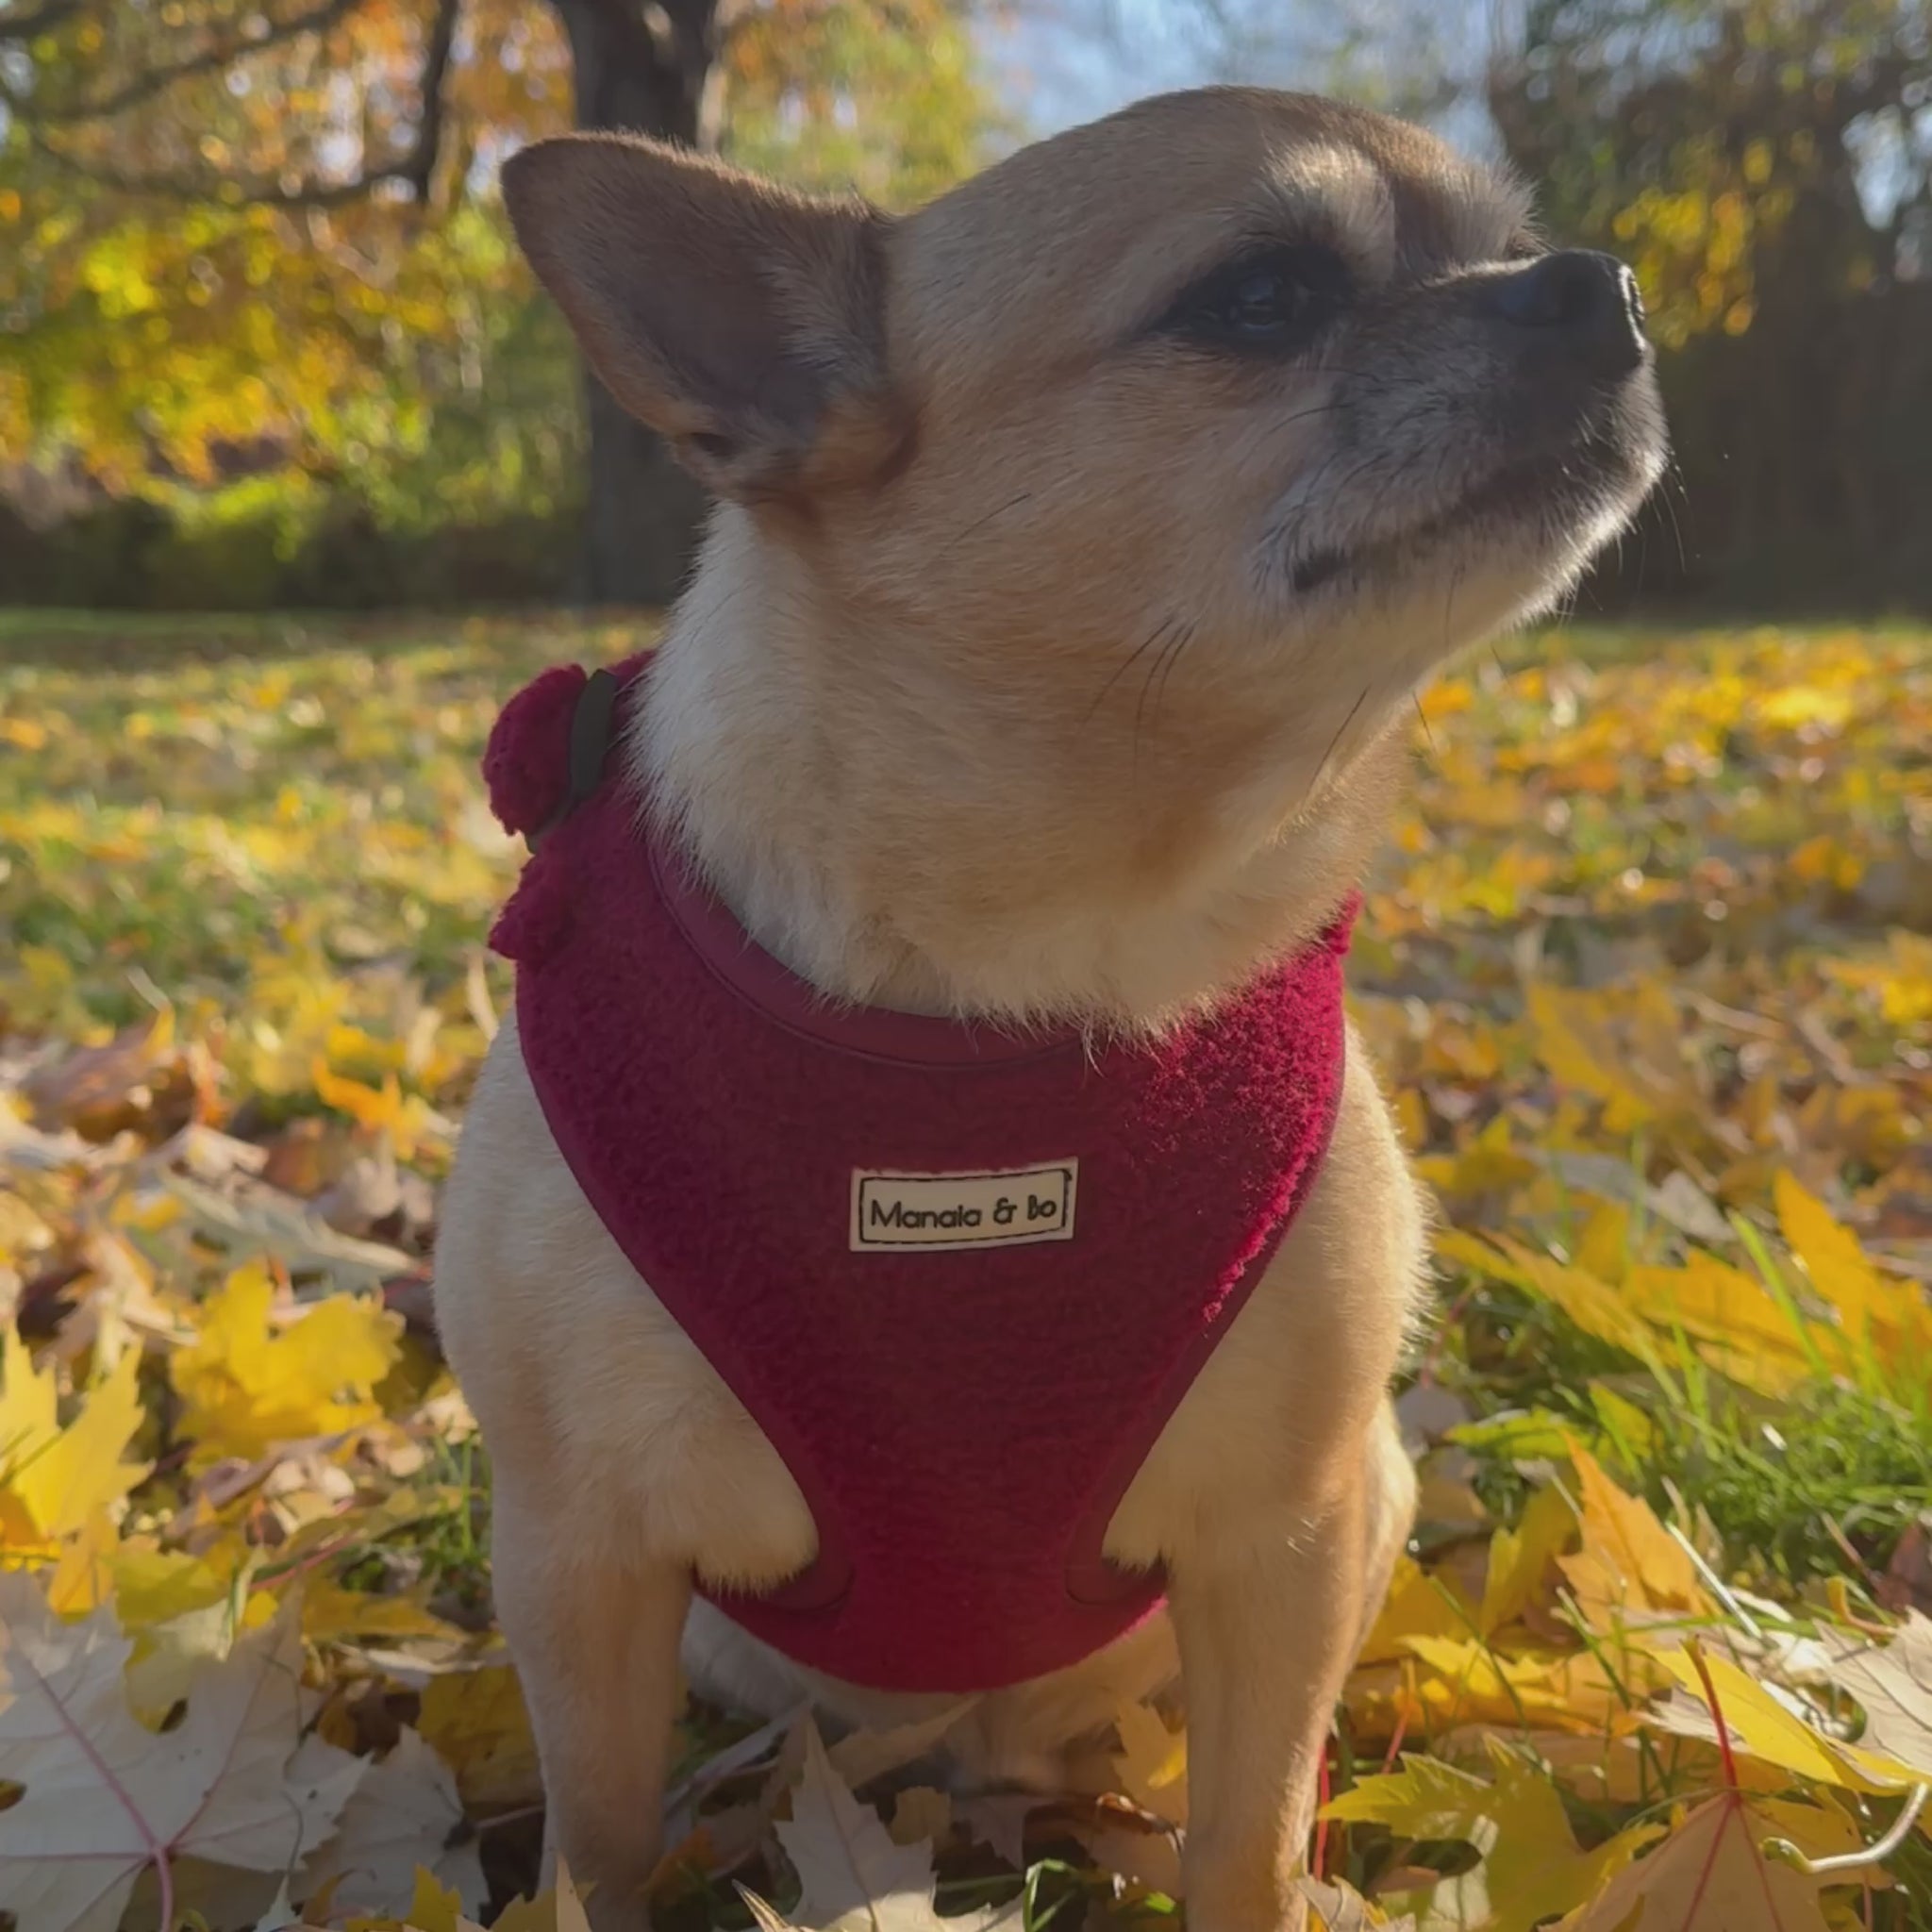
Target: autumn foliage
(255, 275)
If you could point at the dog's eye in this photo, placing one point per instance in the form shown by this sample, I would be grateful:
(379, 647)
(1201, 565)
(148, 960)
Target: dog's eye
(1271, 302)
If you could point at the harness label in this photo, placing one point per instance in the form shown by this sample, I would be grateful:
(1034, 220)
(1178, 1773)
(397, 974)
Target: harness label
(1000, 1207)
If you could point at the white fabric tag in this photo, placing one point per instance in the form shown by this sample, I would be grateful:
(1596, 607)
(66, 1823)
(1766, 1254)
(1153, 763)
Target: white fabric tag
(1001, 1208)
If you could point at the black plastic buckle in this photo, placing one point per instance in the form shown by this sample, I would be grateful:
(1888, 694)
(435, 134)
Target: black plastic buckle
(591, 731)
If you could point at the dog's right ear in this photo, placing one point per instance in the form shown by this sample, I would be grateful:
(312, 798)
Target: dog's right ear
(744, 323)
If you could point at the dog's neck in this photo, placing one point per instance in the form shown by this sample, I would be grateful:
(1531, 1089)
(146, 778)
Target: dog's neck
(908, 833)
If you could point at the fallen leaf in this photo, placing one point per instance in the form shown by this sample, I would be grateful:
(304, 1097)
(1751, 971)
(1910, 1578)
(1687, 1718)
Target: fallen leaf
(1339, 1908)
(1907, 1580)
(1471, 1682)
(998, 1820)
(864, 1755)
(244, 1389)
(1892, 1318)
(331, 1614)
(98, 1091)
(253, 1220)
(1758, 1724)
(1708, 1875)
(1418, 1604)
(478, 1724)
(62, 1477)
(853, 1876)
(921, 1815)
(1743, 1329)
(1629, 1566)
(1595, 1306)
(1519, 1559)
(103, 1798)
(1531, 1866)
(405, 1816)
(1893, 1684)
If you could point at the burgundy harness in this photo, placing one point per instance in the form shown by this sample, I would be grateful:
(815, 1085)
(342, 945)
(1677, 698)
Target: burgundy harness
(960, 1276)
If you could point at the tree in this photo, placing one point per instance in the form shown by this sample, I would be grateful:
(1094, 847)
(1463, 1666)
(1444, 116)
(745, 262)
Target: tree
(1767, 167)
(269, 224)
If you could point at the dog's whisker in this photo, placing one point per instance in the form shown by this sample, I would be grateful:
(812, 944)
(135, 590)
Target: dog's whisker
(1126, 664)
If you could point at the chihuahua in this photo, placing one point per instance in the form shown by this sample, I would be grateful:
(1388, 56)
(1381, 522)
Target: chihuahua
(928, 1239)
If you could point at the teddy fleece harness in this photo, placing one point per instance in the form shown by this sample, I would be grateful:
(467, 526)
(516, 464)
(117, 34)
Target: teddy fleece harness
(960, 1276)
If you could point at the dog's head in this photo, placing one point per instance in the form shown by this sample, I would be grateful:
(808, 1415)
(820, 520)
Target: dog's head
(1253, 370)
(1189, 439)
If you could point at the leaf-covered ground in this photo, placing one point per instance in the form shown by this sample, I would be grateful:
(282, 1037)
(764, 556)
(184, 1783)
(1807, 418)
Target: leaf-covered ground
(1649, 970)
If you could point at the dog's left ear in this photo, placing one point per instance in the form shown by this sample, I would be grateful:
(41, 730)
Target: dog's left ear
(744, 323)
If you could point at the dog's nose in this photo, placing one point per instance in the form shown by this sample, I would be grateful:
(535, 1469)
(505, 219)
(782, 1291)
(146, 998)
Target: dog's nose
(1581, 302)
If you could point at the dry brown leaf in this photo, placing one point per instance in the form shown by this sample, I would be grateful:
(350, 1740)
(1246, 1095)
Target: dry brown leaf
(1709, 1876)
(404, 1816)
(998, 1819)
(921, 1815)
(1893, 1684)
(97, 1090)
(853, 1876)
(864, 1755)
(1907, 1580)
(1339, 1908)
(104, 1798)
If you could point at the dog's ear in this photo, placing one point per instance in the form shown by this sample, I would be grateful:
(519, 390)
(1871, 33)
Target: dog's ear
(744, 323)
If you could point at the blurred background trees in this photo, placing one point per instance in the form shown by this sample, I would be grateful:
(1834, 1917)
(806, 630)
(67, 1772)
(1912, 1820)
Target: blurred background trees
(263, 333)
(1767, 168)
(264, 339)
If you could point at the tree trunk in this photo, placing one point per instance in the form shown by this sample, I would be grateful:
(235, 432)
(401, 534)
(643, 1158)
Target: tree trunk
(646, 69)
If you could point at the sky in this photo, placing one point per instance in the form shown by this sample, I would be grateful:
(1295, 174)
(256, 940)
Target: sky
(1056, 62)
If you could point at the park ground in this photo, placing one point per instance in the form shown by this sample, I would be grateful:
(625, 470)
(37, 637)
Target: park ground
(1648, 970)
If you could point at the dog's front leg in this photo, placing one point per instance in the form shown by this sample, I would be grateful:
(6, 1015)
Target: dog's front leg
(1268, 1624)
(595, 1641)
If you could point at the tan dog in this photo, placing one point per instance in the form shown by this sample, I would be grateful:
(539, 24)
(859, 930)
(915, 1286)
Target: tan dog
(1084, 536)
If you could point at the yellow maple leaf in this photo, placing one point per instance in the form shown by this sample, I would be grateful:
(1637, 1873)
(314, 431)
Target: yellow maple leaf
(1417, 1604)
(1594, 1305)
(1531, 1865)
(1471, 1683)
(332, 1614)
(1603, 1249)
(1888, 1319)
(1519, 1559)
(1745, 1331)
(245, 1388)
(1630, 1565)
(153, 1585)
(368, 1107)
(58, 1478)
(82, 1578)
(480, 1728)
(381, 1109)
(1761, 1725)
(1574, 1041)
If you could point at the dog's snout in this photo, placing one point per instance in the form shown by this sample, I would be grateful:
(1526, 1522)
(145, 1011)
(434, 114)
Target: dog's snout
(1579, 301)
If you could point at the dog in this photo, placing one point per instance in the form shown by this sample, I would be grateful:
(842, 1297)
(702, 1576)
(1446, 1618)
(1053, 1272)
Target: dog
(928, 1233)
